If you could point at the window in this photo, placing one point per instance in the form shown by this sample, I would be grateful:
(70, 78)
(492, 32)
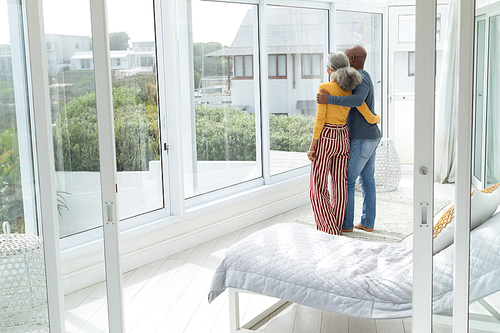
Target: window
(363, 29)
(77, 46)
(406, 28)
(277, 66)
(220, 129)
(411, 63)
(147, 61)
(141, 186)
(17, 182)
(74, 124)
(243, 67)
(85, 64)
(50, 46)
(295, 55)
(312, 66)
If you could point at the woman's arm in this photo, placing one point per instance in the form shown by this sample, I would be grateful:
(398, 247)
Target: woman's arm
(320, 117)
(318, 127)
(311, 154)
(356, 99)
(369, 116)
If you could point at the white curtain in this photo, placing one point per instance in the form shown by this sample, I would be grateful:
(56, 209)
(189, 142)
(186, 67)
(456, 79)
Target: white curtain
(445, 144)
(493, 111)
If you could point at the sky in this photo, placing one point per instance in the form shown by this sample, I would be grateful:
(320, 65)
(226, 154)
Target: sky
(73, 18)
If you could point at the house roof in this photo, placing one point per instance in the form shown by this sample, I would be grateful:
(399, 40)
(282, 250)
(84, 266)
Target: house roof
(289, 30)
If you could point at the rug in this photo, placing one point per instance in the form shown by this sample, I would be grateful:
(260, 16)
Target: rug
(394, 221)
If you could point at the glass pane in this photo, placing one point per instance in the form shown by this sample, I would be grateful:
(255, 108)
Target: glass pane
(317, 65)
(364, 29)
(406, 29)
(306, 65)
(238, 64)
(135, 103)
(22, 262)
(493, 106)
(76, 149)
(74, 115)
(222, 120)
(281, 65)
(484, 298)
(292, 108)
(479, 100)
(446, 94)
(272, 65)
(248, 66)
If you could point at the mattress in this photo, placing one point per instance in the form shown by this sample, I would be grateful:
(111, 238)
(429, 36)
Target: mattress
(358, 278)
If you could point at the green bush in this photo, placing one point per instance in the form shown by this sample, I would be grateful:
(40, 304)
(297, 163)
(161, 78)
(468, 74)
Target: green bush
(6, 92)
(136, 131)
(133, 140)
(224, 134)
(11, 196)
(290, 133)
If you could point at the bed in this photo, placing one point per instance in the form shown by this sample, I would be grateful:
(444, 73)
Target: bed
(298, 264)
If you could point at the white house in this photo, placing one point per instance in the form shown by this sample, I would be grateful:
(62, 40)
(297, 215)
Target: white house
(140, 57)
(294, 61)
(60, 49)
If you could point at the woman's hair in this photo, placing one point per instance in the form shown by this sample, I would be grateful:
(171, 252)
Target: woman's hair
(337, 60)
(346, 77)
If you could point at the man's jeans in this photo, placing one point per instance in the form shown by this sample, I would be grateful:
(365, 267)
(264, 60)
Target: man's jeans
(361, 163)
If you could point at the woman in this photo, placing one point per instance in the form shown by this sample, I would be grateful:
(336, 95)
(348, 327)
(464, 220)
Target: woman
(329, 149)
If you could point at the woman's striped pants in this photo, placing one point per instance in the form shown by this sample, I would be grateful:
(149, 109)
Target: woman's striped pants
(332, 153)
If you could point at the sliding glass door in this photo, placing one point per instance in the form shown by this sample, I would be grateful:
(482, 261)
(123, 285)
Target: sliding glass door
(73, 106)
(74, 115)
(484, 298)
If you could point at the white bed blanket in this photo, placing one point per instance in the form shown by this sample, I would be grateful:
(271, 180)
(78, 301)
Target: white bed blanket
(349, 276)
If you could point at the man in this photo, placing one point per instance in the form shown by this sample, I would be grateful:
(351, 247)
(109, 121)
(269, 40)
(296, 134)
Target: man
(364, 138)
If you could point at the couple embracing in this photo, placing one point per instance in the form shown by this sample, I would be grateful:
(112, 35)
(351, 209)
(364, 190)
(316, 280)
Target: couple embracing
(345, 138)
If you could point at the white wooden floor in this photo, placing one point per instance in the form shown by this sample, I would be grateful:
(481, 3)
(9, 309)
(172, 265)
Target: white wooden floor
(170, 295)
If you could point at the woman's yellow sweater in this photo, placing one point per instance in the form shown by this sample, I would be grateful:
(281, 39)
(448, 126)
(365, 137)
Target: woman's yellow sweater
(335, 114)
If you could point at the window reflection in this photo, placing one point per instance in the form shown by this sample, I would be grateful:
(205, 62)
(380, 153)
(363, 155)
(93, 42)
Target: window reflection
(135, 106)
(17, 197)
(74, 115)
(222, 121)
(296, 56)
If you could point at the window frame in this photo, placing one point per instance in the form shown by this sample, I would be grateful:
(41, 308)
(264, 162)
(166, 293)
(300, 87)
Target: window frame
(410, 62)
(312, 76)
(243, 77)
(277, 76)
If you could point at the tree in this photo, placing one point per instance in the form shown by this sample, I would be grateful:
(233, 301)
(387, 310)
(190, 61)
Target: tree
(212, 66)
(118, 41)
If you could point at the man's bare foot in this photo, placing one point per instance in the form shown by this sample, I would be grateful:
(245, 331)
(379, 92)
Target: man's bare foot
(359, 226)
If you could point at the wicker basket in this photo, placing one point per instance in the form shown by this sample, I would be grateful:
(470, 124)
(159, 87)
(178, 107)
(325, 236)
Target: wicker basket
(23, 295)
(387, 167)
